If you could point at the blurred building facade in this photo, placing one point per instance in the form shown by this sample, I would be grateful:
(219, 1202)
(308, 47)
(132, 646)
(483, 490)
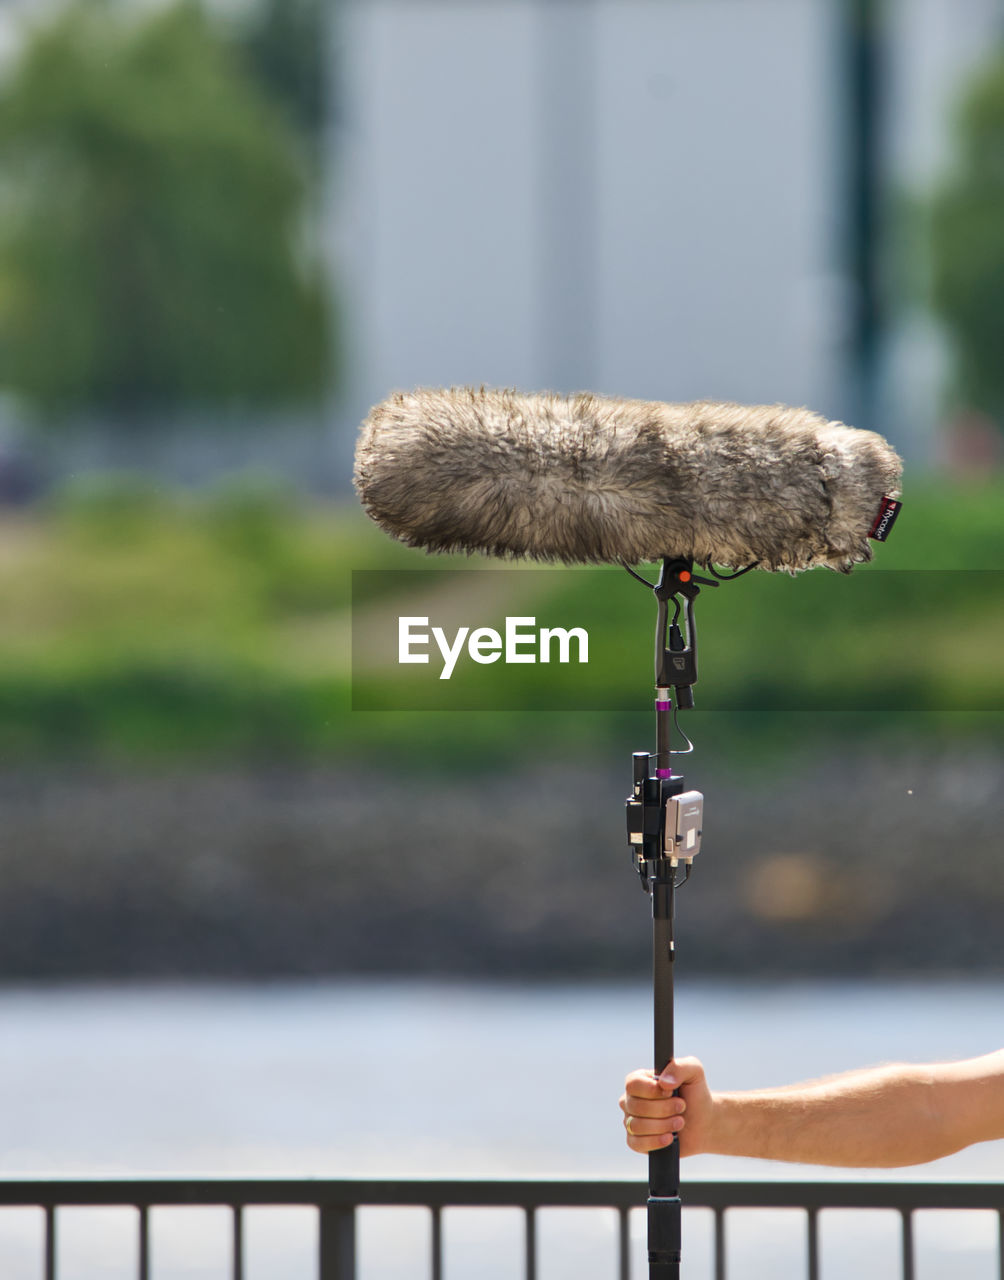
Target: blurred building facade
(641, 198)
(647, 198)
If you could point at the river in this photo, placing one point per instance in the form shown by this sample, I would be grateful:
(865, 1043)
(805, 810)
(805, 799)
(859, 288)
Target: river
(398, 1078)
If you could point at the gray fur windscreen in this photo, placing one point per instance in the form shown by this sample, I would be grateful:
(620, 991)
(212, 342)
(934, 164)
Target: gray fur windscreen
(587, 479)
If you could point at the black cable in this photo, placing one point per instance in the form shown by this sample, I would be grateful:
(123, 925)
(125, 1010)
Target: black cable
(625, 565)
(729, 577)
(677, 751)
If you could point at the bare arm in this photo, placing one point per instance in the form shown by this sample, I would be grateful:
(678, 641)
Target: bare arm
(881, 1117)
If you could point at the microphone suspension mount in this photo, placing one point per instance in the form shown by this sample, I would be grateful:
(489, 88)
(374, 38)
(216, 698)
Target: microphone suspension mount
(676, 653)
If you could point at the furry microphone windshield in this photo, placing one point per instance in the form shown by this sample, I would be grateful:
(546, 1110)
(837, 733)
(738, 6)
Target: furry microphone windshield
(586, 479)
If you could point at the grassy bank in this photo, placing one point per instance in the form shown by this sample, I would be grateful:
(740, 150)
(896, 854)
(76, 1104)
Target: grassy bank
(142, 627)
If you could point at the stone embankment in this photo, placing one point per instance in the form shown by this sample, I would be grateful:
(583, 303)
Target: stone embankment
(843, 865)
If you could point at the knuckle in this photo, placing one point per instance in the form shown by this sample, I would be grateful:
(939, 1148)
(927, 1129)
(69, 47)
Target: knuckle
(637, 1083)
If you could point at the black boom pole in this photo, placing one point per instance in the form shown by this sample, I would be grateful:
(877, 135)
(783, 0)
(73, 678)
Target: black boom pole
(664, 822)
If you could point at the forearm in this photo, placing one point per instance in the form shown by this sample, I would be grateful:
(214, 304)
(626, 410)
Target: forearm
(881, 1118)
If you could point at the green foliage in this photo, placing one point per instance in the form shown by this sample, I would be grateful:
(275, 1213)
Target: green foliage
(150, 202)
(968, 245)
(108, 508)
(253, 517)
(140, 625)
(287, 49)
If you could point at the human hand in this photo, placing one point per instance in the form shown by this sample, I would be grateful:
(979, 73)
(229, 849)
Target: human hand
(653, 1115)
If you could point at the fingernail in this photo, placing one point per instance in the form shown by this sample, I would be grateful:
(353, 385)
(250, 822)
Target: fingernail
(668, 1081)
(667, 1139)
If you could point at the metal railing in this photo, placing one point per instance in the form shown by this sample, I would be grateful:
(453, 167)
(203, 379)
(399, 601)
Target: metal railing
(336, 1201)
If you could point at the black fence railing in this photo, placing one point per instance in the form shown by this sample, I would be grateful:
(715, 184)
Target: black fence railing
(336, 1202)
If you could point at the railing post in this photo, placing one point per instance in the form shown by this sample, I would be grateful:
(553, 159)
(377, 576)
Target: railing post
(624, 1237)
(143, 1270)
(813, 1243)
(437, 1242)
(530, 1218)
(719, 1244)
(337, 1254)
(1000, 1244)
(50, 1242)
(907, 1244)
(238, 1242)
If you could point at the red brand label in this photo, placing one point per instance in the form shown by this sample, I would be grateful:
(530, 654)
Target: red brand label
(885, 519)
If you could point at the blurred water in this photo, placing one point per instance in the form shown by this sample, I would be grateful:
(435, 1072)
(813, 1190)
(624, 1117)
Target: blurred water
(399, 1078)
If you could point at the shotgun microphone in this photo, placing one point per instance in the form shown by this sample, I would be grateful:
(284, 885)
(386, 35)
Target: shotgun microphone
(588, 479)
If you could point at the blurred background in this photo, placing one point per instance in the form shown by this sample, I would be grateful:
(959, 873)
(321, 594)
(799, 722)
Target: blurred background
(227, 229)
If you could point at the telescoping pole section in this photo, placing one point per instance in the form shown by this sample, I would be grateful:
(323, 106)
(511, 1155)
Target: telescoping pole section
(647, 808)
(664, 1204)
(664, 830)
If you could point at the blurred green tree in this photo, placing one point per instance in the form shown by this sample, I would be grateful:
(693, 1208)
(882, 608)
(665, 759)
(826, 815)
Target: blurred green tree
(968, 246)
(287, 48)
(151, 246)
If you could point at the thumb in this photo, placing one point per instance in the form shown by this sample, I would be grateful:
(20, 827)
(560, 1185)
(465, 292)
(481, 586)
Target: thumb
(680, 1071)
